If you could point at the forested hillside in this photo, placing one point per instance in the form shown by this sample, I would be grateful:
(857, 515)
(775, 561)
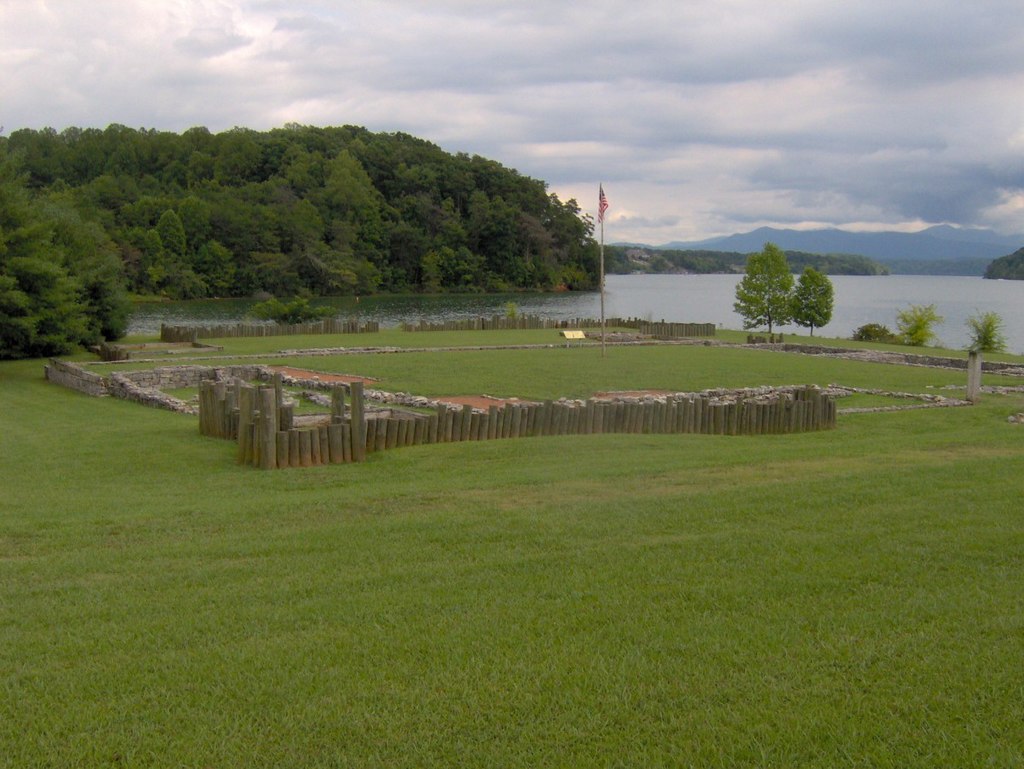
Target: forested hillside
(1010, 267)
(627, 259)
(302, 209)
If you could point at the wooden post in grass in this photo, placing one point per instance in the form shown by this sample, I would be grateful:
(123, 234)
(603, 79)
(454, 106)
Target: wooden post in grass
(305, 448)
(973, 375)
(279, 389)
(246, 406)
(282, 449)
(358, 422)
(325, 445)
(337, 403)
(267, 429)
(335, 438)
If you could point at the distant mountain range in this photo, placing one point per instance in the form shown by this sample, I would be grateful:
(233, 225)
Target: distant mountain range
(937, 249)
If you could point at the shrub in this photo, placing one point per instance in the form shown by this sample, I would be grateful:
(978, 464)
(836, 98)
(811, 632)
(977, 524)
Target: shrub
(916, 324)
(986, 330)
(874, 332)
(296, 311)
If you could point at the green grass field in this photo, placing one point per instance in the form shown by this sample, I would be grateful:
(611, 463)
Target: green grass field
(846, 598)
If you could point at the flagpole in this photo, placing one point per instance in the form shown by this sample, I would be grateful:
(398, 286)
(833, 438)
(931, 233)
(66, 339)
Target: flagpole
(601, 205)
(602, 288)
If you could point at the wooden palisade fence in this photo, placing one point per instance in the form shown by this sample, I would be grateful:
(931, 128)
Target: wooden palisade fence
(660, 329)
(263, 426)
(235, 330)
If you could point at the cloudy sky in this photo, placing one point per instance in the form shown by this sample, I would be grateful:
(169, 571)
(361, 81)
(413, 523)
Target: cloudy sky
(701, 117)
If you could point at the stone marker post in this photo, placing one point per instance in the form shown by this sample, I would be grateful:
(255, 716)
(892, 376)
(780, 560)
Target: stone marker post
(973, 375)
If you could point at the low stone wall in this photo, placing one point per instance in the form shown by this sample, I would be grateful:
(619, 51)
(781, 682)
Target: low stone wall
(146, 387)
(74, 377)
(899, 358)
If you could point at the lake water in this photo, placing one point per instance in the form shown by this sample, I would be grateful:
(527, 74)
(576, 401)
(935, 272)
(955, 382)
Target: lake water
(681, 298)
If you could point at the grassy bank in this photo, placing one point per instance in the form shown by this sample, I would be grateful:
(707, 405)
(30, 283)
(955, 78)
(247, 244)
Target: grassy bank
(847, 598)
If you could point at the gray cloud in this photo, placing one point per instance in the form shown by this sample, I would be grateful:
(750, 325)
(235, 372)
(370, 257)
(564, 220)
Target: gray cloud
(700, 117)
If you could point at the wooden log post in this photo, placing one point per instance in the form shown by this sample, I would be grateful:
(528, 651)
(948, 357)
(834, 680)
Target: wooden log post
(286, 416)
(515, 421)
(206, 406)
(346, 442)
(337, 404)
(380, 434)
(325, 445)
(282, 449)
(246, 409)
(220, 391)
(305, 448)
(278, 389)
(335, 442)
(358, 422)
(267, 429)
(390, 433)
(493, 421)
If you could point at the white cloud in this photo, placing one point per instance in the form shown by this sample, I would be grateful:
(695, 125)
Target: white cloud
(701, 118)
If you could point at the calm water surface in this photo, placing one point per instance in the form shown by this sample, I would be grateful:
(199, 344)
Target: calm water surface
(683, 298)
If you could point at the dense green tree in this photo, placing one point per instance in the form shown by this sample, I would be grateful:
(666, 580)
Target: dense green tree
(916, 324)
(763, 296)
(172, 235)
(813, 300)
(41, 312)
(91, 258)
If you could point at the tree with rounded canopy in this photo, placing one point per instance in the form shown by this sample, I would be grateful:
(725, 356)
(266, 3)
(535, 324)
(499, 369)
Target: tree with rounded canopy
(813, 300)
(763, 297)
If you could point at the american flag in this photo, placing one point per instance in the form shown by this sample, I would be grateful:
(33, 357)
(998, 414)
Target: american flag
(602, 204)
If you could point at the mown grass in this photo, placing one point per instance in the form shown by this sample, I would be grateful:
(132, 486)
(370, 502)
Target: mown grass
(461, 367)
(846, 598)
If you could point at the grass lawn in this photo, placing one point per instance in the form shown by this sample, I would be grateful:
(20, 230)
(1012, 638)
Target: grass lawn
(846, 598)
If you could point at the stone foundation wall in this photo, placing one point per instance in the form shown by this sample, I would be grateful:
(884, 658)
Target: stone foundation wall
(146, 387)
(74, 377)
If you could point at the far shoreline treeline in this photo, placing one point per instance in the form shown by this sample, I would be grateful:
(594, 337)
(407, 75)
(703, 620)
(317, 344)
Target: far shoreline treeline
(635, 259)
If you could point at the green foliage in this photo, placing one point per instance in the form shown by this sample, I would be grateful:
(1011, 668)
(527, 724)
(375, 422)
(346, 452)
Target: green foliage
(916, 324)
(298, 310)
(763, 296)
(1009, 267)
(328, 211)
(986, 331)
(813, 300)
(875, 332)
(59, 286)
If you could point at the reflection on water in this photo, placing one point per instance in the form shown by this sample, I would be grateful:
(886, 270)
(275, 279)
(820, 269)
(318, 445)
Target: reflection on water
(682, 298)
